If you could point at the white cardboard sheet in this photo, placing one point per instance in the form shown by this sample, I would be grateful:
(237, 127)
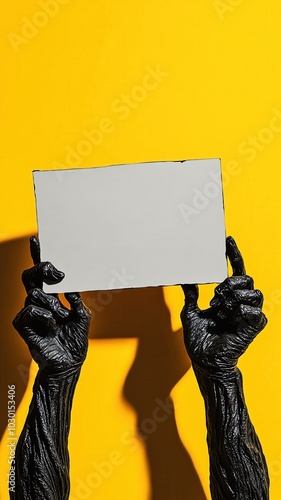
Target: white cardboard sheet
(137, 225)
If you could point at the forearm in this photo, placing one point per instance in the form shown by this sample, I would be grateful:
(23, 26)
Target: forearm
(237, 465)
(42, 460)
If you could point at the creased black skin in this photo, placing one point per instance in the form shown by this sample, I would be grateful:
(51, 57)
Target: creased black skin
(215, 338)
(57, 338)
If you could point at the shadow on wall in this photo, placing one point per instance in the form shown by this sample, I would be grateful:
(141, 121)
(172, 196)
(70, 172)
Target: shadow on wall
(160, 362)
(14, 355)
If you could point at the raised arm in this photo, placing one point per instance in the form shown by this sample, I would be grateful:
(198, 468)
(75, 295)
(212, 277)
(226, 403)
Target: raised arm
(215, 338)
(57, 339)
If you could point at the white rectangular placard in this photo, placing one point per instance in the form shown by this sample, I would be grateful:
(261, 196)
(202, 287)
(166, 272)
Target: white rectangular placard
(128, 226)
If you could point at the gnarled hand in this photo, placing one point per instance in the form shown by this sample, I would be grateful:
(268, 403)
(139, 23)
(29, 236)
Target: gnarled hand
(56, 336)
(216, 337)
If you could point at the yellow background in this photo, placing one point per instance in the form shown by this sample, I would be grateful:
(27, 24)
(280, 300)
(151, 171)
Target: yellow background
(217, 95)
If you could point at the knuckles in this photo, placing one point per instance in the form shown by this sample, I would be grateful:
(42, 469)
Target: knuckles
(33, 296)
(235, 282)
(20, 319)
(35, 272)
(252, 297)
(238, 289)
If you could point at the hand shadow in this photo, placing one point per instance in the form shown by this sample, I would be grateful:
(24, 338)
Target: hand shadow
(160, 362)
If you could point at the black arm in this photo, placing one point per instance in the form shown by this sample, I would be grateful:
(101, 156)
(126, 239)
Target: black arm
(58, 339)
(237, 465)
(42, 461)
(215, 338)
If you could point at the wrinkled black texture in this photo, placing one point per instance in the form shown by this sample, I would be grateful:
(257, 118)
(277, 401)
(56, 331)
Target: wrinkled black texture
(237, 464)
(42, 460)
(215, 338)
(57, 338)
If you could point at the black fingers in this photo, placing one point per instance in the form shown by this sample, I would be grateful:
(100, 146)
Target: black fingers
(35, 249)
(33, 318)
(77, 306)
(50, 302)
(227, 287)
(42, 272)
(235, 299)
(235, 257)
(250, 297)
(191, 293)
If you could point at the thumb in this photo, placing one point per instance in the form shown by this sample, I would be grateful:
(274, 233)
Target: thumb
(191, 294)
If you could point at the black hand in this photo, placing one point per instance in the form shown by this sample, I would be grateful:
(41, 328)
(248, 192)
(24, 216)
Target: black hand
(216, 337)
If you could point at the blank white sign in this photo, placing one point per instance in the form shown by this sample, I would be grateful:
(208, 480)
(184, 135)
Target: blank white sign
(128, 226)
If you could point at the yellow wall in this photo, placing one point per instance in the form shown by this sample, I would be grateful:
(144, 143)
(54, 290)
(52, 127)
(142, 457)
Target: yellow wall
(203, 80)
